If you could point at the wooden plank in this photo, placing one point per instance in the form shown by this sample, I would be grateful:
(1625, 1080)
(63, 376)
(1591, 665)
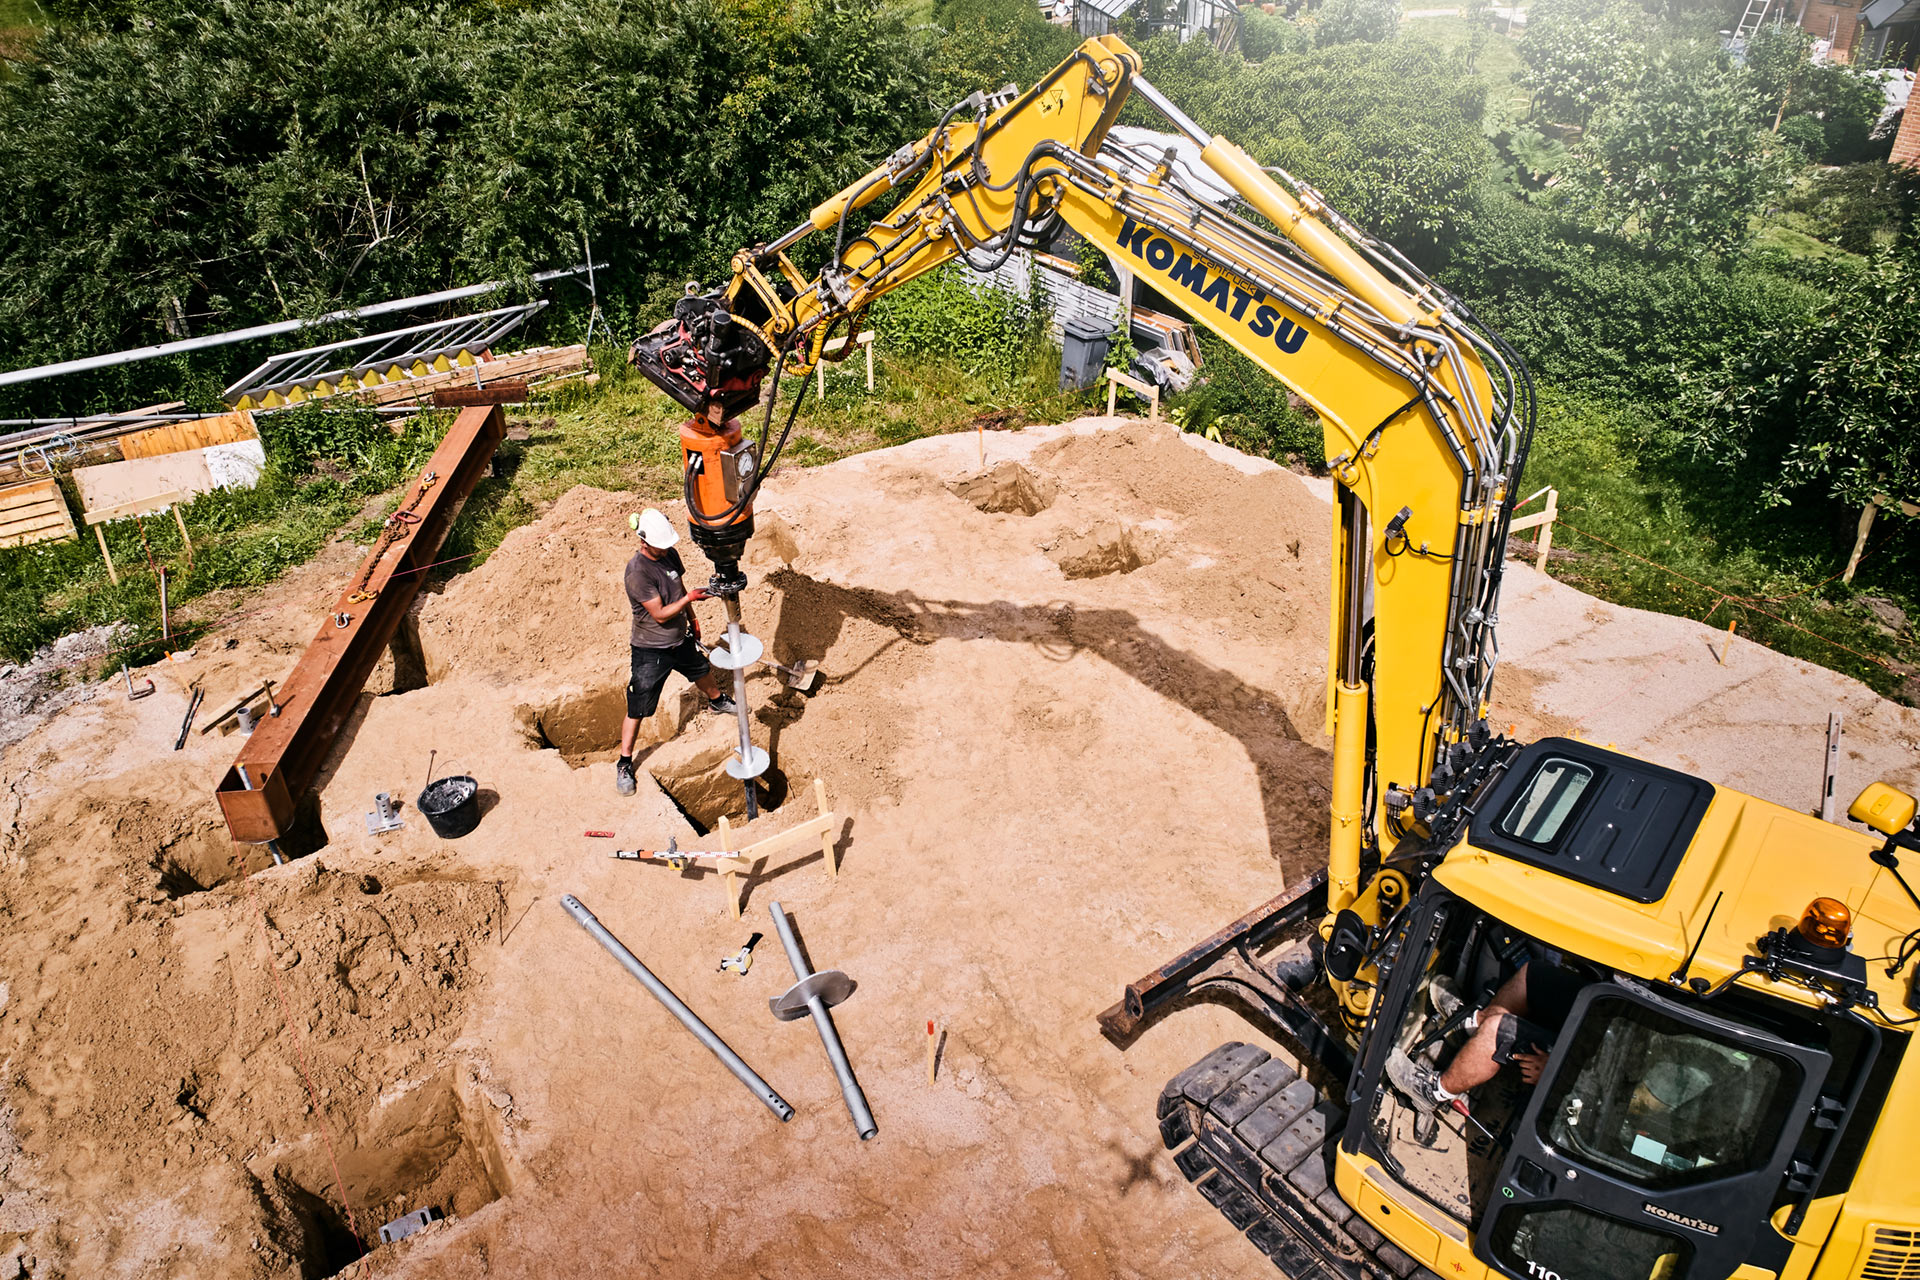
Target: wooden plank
(40, 518)
(136, 507)
(30, 492)
(177, 437)
(114, 484)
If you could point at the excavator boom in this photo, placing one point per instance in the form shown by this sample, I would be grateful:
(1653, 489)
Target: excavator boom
(1426, 417)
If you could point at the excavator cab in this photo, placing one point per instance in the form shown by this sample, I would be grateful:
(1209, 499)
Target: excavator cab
(1655, 1144)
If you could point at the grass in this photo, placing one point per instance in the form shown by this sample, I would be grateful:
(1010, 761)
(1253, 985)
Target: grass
(15, 14)
(241, 538)
(620, 435)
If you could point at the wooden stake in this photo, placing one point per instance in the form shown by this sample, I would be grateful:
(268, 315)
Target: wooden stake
(112, 574)
(1728, 646)
(826, 829)
(185, 541)
(728, 876)
(933, 1046)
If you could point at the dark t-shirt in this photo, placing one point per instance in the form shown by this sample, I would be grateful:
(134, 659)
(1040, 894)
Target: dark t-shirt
(649, 579)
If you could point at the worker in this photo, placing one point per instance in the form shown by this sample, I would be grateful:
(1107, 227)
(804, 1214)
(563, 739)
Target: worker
(665, 635)
(1517, 1026)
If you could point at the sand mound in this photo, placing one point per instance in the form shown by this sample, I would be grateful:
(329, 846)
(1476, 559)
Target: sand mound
(1049, 781)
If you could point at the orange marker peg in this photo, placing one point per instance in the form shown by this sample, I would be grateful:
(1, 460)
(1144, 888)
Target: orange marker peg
(933, 1044)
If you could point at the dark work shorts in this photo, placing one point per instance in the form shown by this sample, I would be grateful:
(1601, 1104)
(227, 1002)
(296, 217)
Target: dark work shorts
(1551, 992)
(650, 670)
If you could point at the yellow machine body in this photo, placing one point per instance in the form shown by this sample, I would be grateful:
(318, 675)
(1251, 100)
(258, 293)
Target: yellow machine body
(1420, 411)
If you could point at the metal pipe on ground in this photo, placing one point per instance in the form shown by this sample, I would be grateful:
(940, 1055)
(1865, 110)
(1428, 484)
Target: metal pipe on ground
(688, 1018)
(815, 993)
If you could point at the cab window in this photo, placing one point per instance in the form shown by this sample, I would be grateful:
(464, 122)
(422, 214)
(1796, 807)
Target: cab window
(1568, 1242)
(1540, 814)
(1662, 1104)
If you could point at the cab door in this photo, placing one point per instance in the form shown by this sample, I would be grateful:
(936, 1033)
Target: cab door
(1652, 1147)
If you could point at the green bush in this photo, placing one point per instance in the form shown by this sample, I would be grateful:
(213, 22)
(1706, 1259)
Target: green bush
(1262, 35)
(1592, 312)
(1389, 132)
(1806, 135)
(989, 332)
(1356, 21)
(1249, 406)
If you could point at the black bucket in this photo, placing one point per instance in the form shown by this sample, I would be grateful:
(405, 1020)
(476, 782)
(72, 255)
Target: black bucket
(451, 806)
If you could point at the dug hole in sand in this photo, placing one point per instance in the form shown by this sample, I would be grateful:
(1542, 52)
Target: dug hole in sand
(1070, 710)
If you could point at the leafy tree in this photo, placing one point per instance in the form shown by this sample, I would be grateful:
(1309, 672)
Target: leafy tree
(1778, 58)
(1826, 403)
(1581, 54)
(1847, 102)
(1354, 21)
(1263, 34)
(1387, 131)
(986, 43)
(182, 167)
(1677, 163)
(1829, 110)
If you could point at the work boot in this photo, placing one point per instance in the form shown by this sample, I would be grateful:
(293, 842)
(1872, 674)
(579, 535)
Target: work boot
(623, 775)
(722, 705)
(1418, 1081)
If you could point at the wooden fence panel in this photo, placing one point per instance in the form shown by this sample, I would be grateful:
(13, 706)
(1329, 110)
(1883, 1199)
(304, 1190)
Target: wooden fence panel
(35, 512)
(178, 437)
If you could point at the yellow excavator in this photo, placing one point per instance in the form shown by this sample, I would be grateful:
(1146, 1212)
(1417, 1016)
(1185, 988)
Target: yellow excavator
(1677, 1019)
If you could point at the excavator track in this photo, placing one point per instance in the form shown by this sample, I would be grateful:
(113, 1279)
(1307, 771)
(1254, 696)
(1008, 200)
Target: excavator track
(1258, 1140)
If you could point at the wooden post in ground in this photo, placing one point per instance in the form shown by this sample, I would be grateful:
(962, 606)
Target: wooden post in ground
(185, 541)
(826, 832)
(1545, 541)
(113, 575)
(1867, 514)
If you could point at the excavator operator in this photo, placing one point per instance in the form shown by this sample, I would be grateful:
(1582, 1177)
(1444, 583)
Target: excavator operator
(1517, 1026)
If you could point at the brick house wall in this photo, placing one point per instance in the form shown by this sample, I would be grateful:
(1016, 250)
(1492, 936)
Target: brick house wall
(1838, 22)
(1906, 143)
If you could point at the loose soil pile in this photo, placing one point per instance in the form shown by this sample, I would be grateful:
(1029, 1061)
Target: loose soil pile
(1070, 711)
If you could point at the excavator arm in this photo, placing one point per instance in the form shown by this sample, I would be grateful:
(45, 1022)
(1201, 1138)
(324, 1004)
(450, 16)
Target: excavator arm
(1426, 417)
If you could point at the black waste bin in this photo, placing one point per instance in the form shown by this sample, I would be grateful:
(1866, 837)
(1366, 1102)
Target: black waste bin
(1083, 354)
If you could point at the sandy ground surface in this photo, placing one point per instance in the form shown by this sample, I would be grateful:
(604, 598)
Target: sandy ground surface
(1071, 711)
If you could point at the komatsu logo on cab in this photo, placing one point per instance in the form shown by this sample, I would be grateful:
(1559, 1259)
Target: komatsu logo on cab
(1228, 298)
(1680, 1219)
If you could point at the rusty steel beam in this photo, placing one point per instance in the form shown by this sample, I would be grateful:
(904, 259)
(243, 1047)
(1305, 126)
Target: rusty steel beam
(277, 764)
(505, 391)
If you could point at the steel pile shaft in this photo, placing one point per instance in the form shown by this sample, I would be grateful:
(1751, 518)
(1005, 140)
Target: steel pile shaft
(688, 1018)
(829, 1036)
(740, 704)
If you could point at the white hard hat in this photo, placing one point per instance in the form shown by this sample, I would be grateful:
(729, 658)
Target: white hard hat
(653, 529)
